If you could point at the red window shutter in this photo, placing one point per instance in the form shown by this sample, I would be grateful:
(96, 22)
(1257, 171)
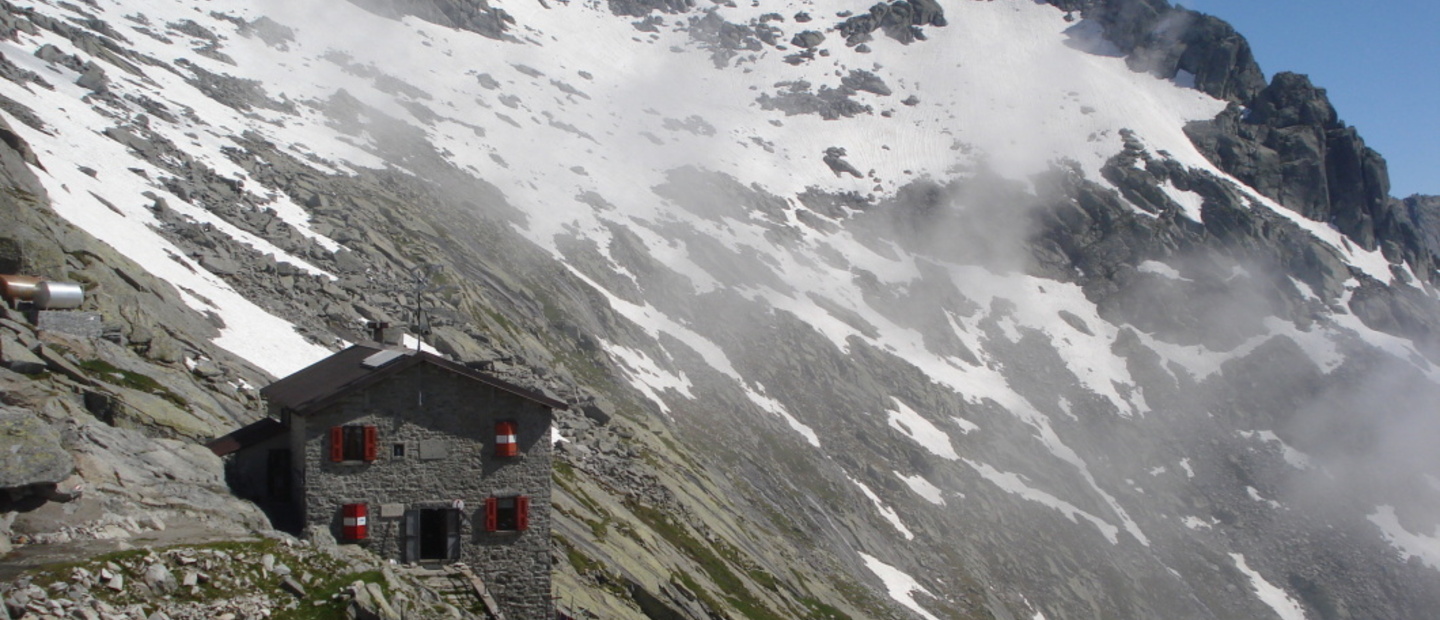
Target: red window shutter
(522, 513)
(337, 443)
(505, 445)
(492, 513)
(355, 522)
(372, 442)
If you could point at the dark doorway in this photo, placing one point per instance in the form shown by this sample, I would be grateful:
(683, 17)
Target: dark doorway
(277, 475)
(433, 534)
(277, 498)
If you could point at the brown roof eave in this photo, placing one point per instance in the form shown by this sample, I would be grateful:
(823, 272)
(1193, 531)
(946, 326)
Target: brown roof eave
(335, 393)
(246, 436)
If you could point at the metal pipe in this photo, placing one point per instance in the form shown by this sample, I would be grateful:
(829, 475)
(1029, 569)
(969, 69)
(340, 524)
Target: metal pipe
(18, 288)
(59, 295)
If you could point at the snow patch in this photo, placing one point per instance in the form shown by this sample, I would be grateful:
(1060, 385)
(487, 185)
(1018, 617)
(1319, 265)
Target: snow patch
(1296, 458)
(1196, 523)
(923, 488)
(757, 395)
(966, 426)
(921, 431)
(1185, 465)
(885, 511)
(1427, 548)
(902, 587)
(1191, 203)
(1160, 269)
(1271, 595)
(1015, 483)
(1255, 495)
(647, 376)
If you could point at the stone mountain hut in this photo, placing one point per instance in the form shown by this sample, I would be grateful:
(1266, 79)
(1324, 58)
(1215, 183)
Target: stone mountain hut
(415, 457)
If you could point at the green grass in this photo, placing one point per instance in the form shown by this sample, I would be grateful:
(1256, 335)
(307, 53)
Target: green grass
(228, 577)
(731, 585)
(104, 371)
(588, 567)
(821, 611)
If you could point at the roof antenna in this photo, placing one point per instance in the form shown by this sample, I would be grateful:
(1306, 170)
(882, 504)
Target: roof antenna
(424, 274)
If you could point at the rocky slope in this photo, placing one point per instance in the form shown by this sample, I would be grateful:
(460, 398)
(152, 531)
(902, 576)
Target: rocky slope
(979, 310)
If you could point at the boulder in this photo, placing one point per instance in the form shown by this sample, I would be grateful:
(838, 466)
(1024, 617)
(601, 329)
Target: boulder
(19, 358)
(32, 454)
(808, 39)
(159, 578)
(835, 160)
(289, 584)
(460, 346)
(369, 603)
(93, 78)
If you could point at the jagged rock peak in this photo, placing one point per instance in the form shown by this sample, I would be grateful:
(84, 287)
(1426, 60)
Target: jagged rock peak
(1166, 40)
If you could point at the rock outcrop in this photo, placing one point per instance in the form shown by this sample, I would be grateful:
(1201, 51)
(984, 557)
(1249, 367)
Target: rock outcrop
(1166, 40)
(33, 459)
(474, 15)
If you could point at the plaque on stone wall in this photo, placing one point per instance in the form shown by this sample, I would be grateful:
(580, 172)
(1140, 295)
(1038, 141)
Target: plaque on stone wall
(392, 511)
(431, 449)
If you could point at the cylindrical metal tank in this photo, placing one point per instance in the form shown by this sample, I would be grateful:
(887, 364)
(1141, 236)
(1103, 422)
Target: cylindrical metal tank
(18, 288)
(58, 295)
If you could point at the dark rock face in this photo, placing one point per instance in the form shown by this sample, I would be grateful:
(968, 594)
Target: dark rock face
(901, 20)
(1424, 211)
(835, 160)
(808, 39)
(1291, 146)
(829, 103)
(273, 33)
(641, 8)
(860, 79)
(474, 15)
(1165, 40)
(1285, 139)
(726, 40)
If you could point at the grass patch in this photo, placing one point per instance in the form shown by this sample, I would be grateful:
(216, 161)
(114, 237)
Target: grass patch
(720, 573)
(105, 371)
(229, 569)
(821, 611)
(590, 568)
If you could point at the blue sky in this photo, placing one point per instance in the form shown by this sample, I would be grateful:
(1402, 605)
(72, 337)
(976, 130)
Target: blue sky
(1379, 60)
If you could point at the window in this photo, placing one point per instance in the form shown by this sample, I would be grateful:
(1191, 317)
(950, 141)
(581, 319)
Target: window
(353, 442)
(507, 514)
(505, 444)
(398, 450)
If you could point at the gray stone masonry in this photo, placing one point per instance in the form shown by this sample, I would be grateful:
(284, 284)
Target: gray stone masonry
(427, 408)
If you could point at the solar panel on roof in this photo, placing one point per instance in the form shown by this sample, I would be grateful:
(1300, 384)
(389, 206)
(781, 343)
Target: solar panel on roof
(382, 358)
